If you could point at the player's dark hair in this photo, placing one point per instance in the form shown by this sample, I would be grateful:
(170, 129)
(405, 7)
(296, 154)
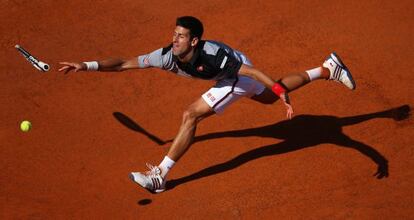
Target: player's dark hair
(191, 23)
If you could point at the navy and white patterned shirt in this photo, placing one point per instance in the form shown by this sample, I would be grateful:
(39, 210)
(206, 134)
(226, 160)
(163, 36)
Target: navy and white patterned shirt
(212, 60)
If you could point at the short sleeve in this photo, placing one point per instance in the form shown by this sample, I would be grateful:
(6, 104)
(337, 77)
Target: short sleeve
(160, 58)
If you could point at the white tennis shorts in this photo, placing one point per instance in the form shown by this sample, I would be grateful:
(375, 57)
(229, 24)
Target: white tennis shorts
(227, 91)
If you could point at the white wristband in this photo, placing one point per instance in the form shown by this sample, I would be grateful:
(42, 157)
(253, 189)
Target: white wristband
(92, 65)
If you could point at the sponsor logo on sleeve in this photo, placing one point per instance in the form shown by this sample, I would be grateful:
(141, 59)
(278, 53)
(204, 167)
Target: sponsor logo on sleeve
(146, 61)
(211, 97)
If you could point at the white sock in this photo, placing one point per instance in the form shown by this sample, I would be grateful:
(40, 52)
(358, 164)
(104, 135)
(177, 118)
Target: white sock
(166, 165)
(314, 73)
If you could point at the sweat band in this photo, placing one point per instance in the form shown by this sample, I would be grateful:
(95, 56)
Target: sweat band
(278, 89)
(92, 65)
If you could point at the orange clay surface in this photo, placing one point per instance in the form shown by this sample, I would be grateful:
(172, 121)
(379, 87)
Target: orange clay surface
(90, 129)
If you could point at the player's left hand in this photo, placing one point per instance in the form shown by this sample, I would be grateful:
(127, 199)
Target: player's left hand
(289, 109)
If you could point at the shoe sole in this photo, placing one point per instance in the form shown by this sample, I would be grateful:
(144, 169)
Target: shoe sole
(131, 177)
(336, 58)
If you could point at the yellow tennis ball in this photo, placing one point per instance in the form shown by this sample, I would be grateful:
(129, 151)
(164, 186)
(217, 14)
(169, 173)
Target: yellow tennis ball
(25, 126)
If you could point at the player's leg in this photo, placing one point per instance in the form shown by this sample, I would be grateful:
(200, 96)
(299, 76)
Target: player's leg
(154, 180)
(213, 101)
(194, 114)
(332, 69)
(292, 82)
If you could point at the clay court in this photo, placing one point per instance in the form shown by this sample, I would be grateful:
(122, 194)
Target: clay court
(90, 129)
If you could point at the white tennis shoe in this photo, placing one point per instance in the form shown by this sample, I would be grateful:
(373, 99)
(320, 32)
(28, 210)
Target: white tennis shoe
(338, 71)
(151, 180)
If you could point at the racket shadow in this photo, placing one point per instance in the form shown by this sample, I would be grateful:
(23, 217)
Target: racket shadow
(129, 123)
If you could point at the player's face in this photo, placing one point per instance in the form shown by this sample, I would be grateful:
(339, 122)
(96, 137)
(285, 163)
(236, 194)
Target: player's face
(182, 42)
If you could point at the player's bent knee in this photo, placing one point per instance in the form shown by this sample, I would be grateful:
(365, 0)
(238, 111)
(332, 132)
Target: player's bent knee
(195, 115)
(197, 112)
(190, 115)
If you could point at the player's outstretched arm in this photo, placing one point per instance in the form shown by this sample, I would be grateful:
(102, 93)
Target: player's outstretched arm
(276, 87)
(109, 65)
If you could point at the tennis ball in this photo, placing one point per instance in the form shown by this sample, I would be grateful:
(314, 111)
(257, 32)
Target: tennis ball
(25, 126)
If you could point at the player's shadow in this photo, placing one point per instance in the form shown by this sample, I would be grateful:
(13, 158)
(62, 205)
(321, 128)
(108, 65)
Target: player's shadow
(301, 132)
(129, 123)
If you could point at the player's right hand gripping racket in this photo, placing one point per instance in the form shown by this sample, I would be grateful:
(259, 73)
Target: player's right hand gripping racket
(44, 67)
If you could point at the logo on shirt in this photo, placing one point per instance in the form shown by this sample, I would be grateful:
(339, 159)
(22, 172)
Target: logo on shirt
(200, 68)
(211, 97)
(146, 61)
